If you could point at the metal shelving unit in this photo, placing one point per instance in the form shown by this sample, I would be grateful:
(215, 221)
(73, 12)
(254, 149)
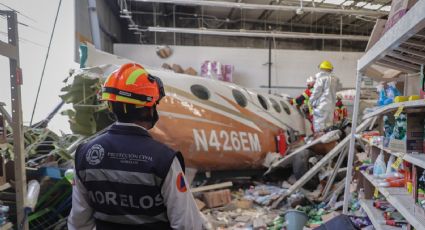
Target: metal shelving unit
(375, 215)
(395, 106)
(401, 48)
(401, 200)
(417, 159)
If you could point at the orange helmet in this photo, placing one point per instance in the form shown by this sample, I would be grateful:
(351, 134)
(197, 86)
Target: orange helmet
(132, 84)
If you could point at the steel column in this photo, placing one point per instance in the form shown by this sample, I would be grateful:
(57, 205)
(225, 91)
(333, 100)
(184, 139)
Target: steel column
(17, 124)
(352, 142)
(94, 24)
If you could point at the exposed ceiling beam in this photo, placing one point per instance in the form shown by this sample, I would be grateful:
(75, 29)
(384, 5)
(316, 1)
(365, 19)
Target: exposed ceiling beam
(266, 13)
(250, 6)
(356, 19)
(256, 33)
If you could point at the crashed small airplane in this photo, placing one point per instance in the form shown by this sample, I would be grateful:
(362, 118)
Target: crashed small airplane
(216, 125)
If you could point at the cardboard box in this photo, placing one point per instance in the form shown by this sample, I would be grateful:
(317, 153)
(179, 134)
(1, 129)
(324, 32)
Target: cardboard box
(166, 66)
(418, 190)
(177, 68)
(244, 204)
(377, 32)
(199, 204)
(191, 71)
(217, 198)
(410, 134)
(398, 9)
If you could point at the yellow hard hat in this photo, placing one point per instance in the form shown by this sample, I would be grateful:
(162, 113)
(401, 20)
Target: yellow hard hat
(326, 65)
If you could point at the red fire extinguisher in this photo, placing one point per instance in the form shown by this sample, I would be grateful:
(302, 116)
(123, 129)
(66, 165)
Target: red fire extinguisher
(282, 146)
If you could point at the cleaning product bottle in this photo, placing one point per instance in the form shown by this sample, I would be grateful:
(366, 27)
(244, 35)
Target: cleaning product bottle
(393, 183)
(392, 92)
(69, 175)
(394, 223)
(379, 167)
(32, 194)
(382, 95)
(390, 169)
(388, 130)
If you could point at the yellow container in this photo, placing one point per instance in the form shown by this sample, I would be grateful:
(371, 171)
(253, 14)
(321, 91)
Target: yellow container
(401, 99)
(414, 97)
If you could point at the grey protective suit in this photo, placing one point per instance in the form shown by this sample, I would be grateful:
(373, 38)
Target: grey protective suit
(323, 100)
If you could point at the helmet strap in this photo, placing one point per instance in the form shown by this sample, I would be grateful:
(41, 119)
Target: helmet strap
(155, 116)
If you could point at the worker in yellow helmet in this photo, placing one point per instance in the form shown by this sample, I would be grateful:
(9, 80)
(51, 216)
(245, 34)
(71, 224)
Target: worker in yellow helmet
(323, 97)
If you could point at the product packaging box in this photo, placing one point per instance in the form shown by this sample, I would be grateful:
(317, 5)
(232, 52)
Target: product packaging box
(217, 198)
(408, 133)
(419, 190)
(377, 32)
(398, 9)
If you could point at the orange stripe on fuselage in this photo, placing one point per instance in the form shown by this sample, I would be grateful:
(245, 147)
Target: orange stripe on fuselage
(222, 150)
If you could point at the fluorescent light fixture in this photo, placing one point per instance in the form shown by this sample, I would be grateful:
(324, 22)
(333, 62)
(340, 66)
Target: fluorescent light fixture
(261, 34)
(250, 6)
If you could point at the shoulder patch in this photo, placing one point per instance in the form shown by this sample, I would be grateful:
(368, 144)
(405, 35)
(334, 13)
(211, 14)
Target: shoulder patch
(180, 182)
(95, 154)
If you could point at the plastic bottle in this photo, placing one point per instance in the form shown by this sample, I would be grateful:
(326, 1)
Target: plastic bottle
(361, 194)
(393, 183)
(392, 91)
(390, 169)
(382, 94)
(388, 130)
(32, 194)
(69, 175)
(394, 223)
(379, 167)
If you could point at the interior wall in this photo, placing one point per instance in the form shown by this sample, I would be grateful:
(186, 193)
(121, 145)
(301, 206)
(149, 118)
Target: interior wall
(290, 68)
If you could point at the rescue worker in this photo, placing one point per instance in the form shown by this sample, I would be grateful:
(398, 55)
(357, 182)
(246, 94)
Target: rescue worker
(340, 111)
(124, 179)
(323, 98)
(302, 101)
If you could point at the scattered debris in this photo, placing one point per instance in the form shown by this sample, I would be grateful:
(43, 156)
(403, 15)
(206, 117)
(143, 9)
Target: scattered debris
(217, 198)
(212, 187)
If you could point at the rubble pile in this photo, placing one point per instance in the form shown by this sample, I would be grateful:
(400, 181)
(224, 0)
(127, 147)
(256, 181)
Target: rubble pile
(250, 208)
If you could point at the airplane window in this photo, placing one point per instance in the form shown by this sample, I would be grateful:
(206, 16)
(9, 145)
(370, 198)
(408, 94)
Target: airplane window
(263, 102)
(239, 98)
(275, 105)
(285, 107)
(200, 92)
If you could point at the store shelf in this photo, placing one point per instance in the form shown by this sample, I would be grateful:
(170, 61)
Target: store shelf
(376, 216)
(417, 159)
(402, 47)
(6, 226)
(395, 106)
(402, 201)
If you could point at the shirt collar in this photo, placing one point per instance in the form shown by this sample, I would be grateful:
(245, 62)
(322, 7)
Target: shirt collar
(130, 124)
